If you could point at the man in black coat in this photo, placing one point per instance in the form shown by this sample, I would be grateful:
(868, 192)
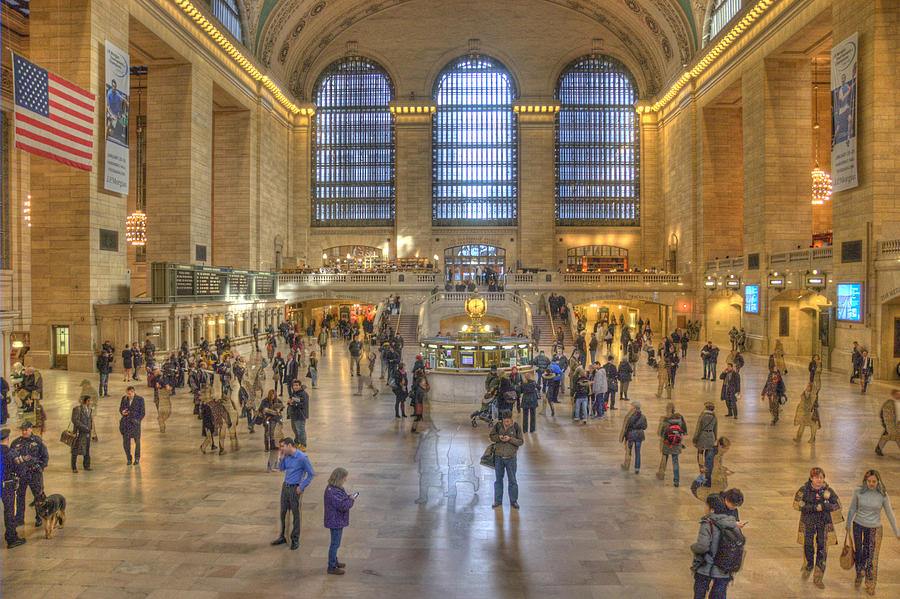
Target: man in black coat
(298, 411)
(10, 482)
(291, 371)
(132, 410)
(278, 373)
(104, 367)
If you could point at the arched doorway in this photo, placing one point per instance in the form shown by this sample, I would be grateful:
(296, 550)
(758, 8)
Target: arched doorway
(794, 318)
(462, 261)
(724, 310)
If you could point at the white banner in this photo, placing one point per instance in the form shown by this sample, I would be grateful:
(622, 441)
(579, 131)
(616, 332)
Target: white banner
(118, 87)
(843, 114)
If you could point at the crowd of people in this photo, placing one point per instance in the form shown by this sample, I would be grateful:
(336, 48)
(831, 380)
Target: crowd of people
(227, 388)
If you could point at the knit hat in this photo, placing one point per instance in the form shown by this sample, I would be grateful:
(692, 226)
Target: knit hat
(636, 405)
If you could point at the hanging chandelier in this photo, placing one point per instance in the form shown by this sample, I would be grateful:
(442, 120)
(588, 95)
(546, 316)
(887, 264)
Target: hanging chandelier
(821, 186)
(136, 228)
(821, 181)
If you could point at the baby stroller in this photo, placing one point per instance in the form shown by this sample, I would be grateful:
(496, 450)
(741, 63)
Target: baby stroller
(486, 413)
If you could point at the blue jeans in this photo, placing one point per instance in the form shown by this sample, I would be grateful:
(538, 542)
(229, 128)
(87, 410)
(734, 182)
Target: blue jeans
(674, 464)
(508, 466)
(104, 382)
(581, 408)
(335, 544)
(635, 447)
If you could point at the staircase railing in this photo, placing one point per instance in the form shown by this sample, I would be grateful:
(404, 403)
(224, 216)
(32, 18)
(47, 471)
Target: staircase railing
(550, 318)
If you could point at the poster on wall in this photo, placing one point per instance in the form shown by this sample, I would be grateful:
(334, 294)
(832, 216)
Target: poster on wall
(849, 302)
(118, 87)
(843, 114)
(751, 299)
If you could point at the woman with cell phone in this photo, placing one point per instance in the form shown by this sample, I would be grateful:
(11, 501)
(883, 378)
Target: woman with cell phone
(337, 515)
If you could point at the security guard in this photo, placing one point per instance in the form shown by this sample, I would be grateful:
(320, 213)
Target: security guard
(10, 481)
(30, 455)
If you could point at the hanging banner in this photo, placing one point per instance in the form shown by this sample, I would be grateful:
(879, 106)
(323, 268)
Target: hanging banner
(843, 114)
(118, 87)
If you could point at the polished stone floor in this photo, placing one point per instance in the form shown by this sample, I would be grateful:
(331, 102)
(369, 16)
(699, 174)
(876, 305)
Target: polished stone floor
(186, 525)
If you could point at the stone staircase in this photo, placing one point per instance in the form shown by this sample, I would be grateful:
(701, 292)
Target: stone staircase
(405, 325)
(559, 325)
(541, 322)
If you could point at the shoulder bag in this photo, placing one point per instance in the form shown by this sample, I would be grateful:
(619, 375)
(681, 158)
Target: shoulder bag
(68, 436)
(848, 553)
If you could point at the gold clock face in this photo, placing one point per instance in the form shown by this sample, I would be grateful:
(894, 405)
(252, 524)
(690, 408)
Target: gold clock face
(476, 307)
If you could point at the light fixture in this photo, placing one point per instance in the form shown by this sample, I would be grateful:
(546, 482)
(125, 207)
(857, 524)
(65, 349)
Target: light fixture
(821, 181)
(26, 210)
(324, 256)
(136, 228)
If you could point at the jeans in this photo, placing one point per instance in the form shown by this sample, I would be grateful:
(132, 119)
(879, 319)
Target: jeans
(290, 500)
(299, 427)
(336, 534)
(354, 364)
(553, 391)
(701, 586)
(104, 383)
(581, 408)
(635, 448)
(399, 404)
(674, 457)
(507, 466)
(611, 398)
(528, 419)
(623, 395)
(314, 376)
(706, 370)
(867, 542)
(598, 406)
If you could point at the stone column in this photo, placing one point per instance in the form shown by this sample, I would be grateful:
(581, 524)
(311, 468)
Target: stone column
(300, 190)
(652, 232)
(412, 218)
(233, 226)
(70, 272)
(179, 162)
(537, 185)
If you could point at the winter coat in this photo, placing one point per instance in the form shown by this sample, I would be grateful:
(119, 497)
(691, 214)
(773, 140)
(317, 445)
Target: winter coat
(530, 395)
(337, 507)
(667, 449)
(707, 431)
(130, 424)
(83, 423)
(598, 386)
(806, 500)
(625, 371)
(711, 526)
(731, 384)
(634, 428)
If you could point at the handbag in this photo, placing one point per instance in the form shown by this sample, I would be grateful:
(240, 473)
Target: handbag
(848, 553)
(68, 437)
(487, 458)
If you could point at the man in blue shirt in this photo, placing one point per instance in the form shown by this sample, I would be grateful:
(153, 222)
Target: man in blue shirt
(553, 389)
(298, 473)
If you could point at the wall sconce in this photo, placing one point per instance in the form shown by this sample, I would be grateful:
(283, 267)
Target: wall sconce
(26, 210)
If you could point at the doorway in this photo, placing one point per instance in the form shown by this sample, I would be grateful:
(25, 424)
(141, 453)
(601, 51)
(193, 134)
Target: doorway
(60, 347)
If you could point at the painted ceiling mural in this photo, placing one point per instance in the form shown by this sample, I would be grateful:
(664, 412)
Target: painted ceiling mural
(288, 36)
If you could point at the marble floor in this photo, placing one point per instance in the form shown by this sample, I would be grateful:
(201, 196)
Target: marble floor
(186, 525)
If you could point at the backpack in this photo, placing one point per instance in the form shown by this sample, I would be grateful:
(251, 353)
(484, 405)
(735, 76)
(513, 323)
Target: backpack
(674, 434)
(729, 556)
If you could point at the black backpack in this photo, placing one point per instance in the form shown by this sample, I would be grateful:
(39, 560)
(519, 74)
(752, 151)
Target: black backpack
(730, 555)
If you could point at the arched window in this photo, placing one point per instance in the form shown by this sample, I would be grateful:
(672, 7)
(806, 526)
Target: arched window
(597, 145)
(596, 258)
(353, 146)
(720, 13)
(475, 153)
(462, 262)
(229, 15)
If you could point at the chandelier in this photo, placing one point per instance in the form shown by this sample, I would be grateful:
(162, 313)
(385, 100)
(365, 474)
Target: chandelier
(136, 228)
(821, 181)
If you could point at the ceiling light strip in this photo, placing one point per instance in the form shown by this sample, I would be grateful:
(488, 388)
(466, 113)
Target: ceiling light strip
(213, 32)
(724, 42)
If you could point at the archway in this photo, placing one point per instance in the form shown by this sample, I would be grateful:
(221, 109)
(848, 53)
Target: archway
(724, 310)
(794, 319)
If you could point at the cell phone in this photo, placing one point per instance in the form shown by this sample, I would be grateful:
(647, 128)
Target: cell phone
(355, 495)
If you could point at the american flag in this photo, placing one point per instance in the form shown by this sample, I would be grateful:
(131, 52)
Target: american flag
(54, 118)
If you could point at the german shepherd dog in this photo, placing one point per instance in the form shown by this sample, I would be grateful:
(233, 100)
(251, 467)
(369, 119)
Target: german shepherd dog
(52, 510)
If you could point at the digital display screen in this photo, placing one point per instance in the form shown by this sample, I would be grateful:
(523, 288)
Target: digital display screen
(467, 359)
(751, 299)
(849, 302)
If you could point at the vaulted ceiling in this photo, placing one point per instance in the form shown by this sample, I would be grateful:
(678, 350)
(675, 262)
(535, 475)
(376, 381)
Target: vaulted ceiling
(653, 37)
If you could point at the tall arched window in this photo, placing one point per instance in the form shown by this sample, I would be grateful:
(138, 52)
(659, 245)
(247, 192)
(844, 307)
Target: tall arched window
(229, 15)
(597, 145)
(475, 153)
(353, 146)
(720, 13)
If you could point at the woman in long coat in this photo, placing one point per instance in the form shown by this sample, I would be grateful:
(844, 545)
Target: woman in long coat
(807, 414)
(778, 354)
(819, 509)
(773, 391)
(83, 425)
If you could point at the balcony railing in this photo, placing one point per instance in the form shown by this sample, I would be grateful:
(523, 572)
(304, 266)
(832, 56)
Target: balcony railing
(889, 249)
(806, 259)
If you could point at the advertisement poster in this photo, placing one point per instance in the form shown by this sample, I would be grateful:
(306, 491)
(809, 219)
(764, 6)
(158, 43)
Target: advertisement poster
(843, 114)
(751, 299)
(849, 302)
(118, 86)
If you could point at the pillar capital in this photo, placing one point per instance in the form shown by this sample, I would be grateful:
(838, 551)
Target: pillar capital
(413, 111)
(536, 111)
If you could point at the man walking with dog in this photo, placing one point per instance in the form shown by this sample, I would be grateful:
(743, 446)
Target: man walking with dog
(10, 481)
(31, 457)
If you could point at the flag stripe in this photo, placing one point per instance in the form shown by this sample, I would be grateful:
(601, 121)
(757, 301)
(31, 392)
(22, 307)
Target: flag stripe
(69, 111)
(54, 91)
(32, 135)
(89, 111)
(53, 155)
(80, 140)
(55, 79)
(71, 125)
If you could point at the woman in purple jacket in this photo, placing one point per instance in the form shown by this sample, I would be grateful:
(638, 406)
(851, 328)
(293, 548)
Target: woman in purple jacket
(337, 515)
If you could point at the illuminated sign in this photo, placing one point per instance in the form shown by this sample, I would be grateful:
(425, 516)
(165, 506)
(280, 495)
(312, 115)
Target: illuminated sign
(776, 282)
(849, 302)
(751, 299)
